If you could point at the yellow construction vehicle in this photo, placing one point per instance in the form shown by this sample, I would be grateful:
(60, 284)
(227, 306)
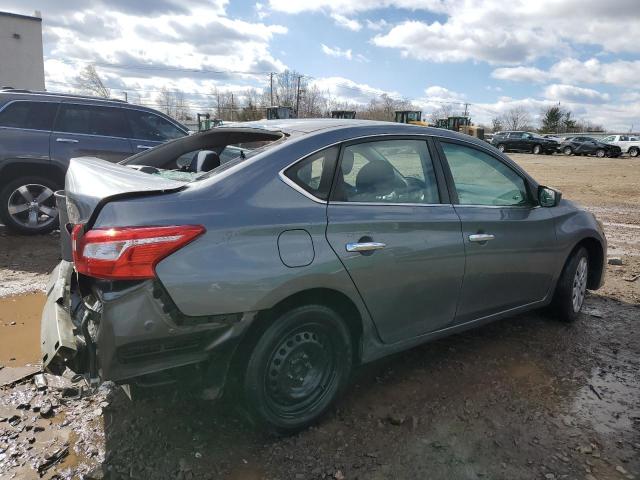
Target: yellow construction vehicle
(412, 117)
(462, 125)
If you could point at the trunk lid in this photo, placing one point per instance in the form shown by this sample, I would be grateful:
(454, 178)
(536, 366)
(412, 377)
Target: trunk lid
(91, 182)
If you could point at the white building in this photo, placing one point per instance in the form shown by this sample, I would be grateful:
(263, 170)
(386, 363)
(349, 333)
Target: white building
(21, 58)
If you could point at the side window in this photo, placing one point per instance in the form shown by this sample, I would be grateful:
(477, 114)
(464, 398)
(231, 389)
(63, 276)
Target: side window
(481, 179)
(148, 126)
(92, 120)
(610, 138)
(516, 135)
(32, 115)
(391, 171)
(624, 138)
(314, 173)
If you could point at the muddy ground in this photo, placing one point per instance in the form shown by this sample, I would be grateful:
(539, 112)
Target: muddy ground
(526, 397)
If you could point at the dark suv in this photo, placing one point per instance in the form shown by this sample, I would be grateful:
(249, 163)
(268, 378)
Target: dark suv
(524, 142)
(40, 132)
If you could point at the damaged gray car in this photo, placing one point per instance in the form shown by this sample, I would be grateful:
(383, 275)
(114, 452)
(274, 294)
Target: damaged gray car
(310, 247)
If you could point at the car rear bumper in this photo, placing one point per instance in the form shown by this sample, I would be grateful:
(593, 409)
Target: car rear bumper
(132, 333)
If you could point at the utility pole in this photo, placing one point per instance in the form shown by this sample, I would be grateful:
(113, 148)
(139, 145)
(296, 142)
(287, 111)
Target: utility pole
(271, 81)
(126, 97)
(466, 110)
(232, 106)
(298, 95)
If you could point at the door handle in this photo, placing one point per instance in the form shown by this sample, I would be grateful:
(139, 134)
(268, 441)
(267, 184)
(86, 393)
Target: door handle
(144, 147)
(364, 246)
(481, 237)
(66, 140)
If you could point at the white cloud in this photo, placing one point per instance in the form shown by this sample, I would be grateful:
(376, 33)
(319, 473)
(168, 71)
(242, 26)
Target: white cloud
(495, 32)
(520, 74)
(376, 24)
(343, 89)
(620, 73)
(336, 52)
(437, 92)
(345, 22)
(573, 94)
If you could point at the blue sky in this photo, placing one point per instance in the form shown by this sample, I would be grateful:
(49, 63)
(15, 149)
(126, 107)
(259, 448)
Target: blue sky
(492, 54)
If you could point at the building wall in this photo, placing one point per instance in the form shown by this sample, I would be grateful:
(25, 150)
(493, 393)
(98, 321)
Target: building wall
(21, 59)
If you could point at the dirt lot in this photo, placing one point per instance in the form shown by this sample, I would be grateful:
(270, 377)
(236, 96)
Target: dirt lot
(522, 398)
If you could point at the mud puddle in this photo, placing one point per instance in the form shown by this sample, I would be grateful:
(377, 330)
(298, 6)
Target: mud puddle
(20, 328)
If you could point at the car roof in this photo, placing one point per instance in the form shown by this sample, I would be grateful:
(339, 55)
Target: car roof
(311, 126)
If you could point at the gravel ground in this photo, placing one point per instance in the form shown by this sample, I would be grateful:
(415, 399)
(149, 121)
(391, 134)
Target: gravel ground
(523, 398)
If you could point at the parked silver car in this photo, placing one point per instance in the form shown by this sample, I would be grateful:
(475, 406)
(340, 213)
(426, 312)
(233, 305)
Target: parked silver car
(329, 244)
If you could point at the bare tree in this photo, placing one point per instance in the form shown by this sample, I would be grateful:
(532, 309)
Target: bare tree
(496, 124)
(443, 111)
(516, 118)
(89, 82)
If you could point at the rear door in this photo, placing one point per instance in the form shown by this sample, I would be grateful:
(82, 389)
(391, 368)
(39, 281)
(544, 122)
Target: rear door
(509, 240)
(149, 130)
(90, 131)
(392, 225)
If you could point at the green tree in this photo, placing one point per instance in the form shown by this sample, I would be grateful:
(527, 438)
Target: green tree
(551, 119)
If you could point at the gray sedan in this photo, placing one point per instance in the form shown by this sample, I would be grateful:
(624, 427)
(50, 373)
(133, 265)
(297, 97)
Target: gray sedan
(323, 245)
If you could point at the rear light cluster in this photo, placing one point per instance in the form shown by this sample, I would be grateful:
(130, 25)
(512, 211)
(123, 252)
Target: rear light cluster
(127, 253)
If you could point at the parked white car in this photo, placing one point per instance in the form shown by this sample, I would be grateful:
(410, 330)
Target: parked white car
(627, 143)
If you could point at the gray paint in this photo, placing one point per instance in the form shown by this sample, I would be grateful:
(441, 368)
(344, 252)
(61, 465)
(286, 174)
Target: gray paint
(429, 282)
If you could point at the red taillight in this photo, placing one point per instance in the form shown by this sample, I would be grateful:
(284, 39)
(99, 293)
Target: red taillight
(127, 253)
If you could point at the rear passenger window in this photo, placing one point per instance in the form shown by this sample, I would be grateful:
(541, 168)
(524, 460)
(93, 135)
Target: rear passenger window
(148, 126)
(390, 171)
(92, 120)
(314, 173)
(32, 115)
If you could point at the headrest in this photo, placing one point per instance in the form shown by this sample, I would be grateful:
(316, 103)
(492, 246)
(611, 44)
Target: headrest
(376, 178)
(204, 161)
(347, 161)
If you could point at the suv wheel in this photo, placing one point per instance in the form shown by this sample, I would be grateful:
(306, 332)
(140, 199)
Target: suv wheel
(600, 153)
(567, 150)
(537, 149)
(634, 151)
(28, 206)
(298, 367)
(501, 148)
(572, 286)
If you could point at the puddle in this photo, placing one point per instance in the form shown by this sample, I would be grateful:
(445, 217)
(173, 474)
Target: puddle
(609, 402)
(20, 342)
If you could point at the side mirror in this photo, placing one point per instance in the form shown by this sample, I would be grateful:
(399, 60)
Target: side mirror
(548, 197)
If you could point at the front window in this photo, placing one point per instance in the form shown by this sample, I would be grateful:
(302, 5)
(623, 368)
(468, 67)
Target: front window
(391, 171)
(152, 127)
(481, 179)
(92, 120)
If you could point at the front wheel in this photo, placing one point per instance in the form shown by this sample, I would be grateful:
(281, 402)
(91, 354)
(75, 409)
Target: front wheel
(567, 151)
(572, 286)
(634, 151)
(600, 153)
(298, 367)
(537, 149)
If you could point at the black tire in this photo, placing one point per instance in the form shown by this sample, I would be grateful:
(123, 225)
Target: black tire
(567, 150)
(563, 300)
(298, 367)
(19, 221)
(537, 149)
(634, 151)
(501, 147)
(600, 153)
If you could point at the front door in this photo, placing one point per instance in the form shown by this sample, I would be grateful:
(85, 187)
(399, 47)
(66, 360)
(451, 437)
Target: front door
(90, 131)
(399, 242)
(509, 240)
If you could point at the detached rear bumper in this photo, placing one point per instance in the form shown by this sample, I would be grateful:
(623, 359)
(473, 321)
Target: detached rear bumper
(132, 332)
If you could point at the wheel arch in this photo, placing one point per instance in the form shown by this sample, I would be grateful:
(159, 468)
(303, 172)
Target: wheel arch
(595, 251)
(12, 169)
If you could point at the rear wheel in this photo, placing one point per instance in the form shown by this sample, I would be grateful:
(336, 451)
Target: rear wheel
(634, 151)
(600, 153)
(567, 150)
(28, 206)
(537, 149)
(298, 367)
(572, 286)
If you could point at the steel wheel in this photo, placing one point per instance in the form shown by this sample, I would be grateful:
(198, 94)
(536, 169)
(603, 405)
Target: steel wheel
(579, 285)
(300, 372)
(32, 206)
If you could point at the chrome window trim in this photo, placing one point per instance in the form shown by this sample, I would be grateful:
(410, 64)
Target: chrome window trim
(523, 207)
(391, 204)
